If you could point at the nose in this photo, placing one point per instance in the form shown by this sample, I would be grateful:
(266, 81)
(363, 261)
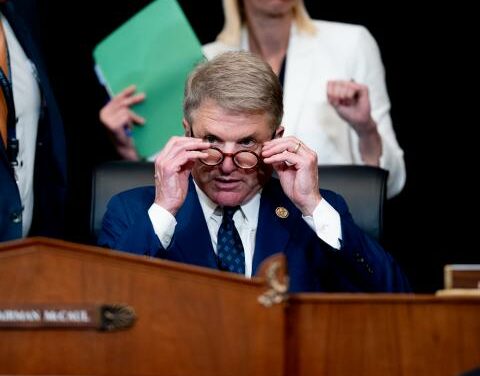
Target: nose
(227, 166)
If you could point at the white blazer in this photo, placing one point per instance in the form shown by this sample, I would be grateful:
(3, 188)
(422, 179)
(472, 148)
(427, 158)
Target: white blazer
(337, 51)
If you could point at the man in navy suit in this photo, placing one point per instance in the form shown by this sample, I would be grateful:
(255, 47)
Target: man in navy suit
(233, 109)
(32, 181)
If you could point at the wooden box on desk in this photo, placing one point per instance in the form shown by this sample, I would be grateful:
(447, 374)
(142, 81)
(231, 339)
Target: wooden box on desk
(462, 276)
(194, 321)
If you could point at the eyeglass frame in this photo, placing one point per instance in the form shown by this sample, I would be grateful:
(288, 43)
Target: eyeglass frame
(232, 155)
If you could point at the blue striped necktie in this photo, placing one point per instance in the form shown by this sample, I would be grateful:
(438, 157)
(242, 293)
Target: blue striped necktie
(231, 256)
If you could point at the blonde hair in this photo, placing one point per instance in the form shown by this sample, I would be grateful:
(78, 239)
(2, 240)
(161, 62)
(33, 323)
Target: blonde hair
(237, 81)
(234, 18)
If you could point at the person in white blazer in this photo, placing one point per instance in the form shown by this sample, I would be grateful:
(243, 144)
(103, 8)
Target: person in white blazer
(333, 77)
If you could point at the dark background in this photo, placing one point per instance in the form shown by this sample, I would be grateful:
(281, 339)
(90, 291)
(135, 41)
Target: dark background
(426, 53)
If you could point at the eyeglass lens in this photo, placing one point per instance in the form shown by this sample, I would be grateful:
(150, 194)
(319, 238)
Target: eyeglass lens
(242, 158)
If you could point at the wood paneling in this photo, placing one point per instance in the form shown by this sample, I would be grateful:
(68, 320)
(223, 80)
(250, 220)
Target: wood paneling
(369, 335)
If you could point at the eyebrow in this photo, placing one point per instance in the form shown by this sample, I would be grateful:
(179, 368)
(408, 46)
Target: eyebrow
(247, 137)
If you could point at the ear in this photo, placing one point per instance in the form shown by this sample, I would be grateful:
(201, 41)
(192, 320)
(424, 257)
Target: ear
(279, 132)
(187, 128)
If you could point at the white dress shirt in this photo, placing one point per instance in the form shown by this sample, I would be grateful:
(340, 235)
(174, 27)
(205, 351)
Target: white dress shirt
(26, 95)
(325, 222)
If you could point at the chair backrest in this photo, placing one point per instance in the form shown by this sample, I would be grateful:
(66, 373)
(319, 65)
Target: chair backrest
(363, 187)
(114, 177)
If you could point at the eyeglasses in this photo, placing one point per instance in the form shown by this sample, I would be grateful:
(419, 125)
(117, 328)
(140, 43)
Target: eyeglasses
(242, 158)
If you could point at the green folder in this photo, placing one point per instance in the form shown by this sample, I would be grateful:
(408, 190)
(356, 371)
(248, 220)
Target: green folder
(155, 50)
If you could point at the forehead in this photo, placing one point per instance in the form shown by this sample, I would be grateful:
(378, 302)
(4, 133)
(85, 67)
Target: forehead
(210, 118)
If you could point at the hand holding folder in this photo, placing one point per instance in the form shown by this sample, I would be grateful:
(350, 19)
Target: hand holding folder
(155, 50)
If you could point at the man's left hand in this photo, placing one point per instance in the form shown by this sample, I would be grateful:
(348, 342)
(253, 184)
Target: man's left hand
(296, 166)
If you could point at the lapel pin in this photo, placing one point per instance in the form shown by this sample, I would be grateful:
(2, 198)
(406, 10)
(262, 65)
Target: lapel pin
(281, 212)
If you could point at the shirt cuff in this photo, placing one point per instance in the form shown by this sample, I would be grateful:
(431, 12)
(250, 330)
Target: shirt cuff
(163, 224)
(326, 223)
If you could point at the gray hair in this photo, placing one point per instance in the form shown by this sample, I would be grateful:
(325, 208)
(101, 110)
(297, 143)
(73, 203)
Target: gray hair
(237, 81)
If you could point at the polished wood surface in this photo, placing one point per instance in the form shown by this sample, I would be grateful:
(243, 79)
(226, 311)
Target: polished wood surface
(196, 321)
(191, 321)
(394, 335)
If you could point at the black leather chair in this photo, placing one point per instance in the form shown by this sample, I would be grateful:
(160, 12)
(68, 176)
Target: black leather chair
(114, 177)
(363, 187)
(365, 190)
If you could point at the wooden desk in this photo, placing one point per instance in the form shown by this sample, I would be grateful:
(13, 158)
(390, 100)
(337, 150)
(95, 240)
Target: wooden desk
(195, 321)
(367, 335)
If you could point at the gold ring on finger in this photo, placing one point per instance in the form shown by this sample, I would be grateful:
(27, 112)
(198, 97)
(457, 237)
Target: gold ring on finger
(297, 148)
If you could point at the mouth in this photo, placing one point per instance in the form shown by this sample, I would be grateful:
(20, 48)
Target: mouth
(225, 184)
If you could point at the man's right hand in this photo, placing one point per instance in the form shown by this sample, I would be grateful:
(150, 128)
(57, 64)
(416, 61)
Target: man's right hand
(118, 118)
(172, 169)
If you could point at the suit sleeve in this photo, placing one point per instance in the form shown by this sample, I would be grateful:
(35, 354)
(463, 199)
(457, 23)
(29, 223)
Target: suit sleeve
(362, 264)
(127, 227)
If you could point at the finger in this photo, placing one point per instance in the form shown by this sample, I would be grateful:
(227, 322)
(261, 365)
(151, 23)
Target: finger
(330, 89)
(134, 99)
(189, 156)
(129, 90)
(118, 100)
(332, 100)
(332, 93)
(187, 143)
(290, 144)
(289, 158)
(135, 118)
(281, 141)
(121, 117)
(355, 86)
(178, 144)
(344, 91)
(347, 96)
(351, 93)
(361, 91)
(279, 149)
(342, 83)
(119, 109)
(170, 166)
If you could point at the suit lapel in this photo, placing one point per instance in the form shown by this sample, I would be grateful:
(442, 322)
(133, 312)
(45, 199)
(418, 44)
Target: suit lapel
(298, 72)
(273, 231)
(20, 30)
(4, 157)
(25, 39)
(192, 239)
